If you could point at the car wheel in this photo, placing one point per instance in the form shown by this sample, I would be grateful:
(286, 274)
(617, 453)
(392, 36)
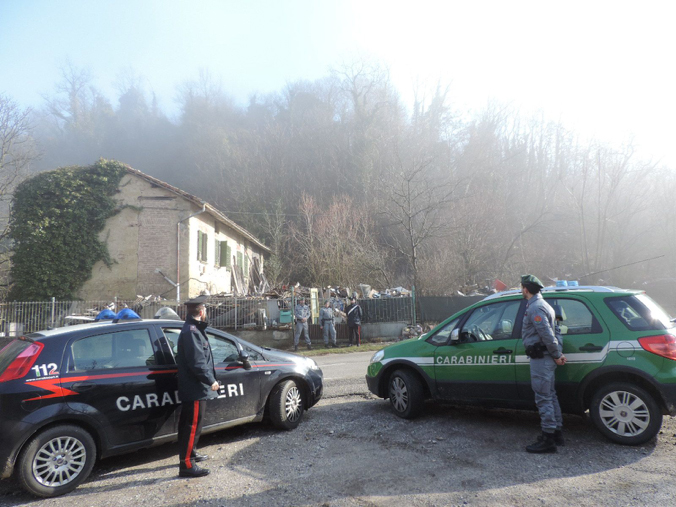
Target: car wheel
(56, 461)
(625, 413)
(406, 394)
(286, 405)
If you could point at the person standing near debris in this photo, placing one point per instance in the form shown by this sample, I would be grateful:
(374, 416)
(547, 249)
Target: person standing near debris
(196, 384)
(327, 324)
(302, 314)
(354, 315)
(544, 346)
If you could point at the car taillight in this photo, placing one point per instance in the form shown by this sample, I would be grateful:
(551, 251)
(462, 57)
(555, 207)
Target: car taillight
(663, 345)
(22, 363)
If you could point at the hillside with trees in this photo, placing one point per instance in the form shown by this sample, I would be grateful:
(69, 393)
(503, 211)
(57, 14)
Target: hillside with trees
(348, 185)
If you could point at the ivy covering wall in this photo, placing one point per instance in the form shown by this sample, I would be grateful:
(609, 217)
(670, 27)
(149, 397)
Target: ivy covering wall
(55, 223)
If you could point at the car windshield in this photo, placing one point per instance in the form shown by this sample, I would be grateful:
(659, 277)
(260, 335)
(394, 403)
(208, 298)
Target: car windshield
(640, 313)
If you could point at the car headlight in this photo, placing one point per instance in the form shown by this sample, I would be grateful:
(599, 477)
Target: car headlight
(312, 364)
(377, 356)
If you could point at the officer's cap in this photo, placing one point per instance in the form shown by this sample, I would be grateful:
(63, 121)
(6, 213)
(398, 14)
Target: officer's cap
(531, 279)
(199, 300)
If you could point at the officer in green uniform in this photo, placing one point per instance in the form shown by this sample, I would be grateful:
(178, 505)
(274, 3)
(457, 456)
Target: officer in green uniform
(543, 344)
(196, 384)
(327, 324)
(302, 314)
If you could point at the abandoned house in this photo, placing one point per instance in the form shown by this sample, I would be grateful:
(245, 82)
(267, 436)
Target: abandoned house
(164, 236)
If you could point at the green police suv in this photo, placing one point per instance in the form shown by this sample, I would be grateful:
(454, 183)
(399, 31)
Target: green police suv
(620, 346)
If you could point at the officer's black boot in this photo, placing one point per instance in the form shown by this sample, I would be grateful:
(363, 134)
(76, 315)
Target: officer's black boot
(545, 443)
(558, 438)
(200, 457)
(195, 471)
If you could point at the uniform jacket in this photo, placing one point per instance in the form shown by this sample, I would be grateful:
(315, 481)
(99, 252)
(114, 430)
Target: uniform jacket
(539, 326)
(354, 315)
(326, 316)
(302, 312)
(195, 362)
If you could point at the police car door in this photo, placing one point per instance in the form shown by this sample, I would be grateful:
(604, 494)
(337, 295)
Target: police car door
(240, 391)
(585, 345)
(478, 362)
(118, 379)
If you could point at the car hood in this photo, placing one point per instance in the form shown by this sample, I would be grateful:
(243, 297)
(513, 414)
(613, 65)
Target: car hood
(280, 355)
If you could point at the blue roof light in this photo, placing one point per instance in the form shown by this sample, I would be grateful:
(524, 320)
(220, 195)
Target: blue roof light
(127, 314)
(106, 314)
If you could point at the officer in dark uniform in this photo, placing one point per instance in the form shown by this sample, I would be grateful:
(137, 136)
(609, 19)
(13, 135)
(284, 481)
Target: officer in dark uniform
(354, 316)
(196, 384)
(544, 346)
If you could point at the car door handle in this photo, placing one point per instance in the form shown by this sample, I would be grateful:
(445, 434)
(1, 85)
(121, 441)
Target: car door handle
(502, 351)
(83, 386)
(590, 347)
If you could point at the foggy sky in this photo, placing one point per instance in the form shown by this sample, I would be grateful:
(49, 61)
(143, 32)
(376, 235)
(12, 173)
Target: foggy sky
(603, 68)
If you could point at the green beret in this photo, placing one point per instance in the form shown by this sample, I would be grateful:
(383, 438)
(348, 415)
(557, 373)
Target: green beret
(531, 279)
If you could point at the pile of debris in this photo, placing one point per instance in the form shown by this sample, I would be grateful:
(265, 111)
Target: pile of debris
(258, 284)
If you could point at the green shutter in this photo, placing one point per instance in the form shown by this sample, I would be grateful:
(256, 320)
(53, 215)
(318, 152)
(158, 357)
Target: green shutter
(224, 253)
(228, 255)
(205, 245)
(239, 259)
(199, 245)
(246, 266)
(217, 253)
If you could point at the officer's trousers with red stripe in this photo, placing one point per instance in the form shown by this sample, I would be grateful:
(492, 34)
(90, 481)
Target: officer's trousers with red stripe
(354, 332)
(189, 430)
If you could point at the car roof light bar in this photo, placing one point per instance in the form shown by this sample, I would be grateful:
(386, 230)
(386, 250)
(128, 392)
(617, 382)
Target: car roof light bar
(578, 288)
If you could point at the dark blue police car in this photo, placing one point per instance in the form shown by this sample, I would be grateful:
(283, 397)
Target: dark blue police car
(71, 394)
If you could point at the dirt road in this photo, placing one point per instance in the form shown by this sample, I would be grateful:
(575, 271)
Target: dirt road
(351, 451)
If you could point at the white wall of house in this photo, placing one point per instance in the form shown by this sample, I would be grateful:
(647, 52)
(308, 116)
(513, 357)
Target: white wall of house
(212, 269)
(142, 240)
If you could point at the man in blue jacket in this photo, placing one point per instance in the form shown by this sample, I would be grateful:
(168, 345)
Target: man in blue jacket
(196, 384)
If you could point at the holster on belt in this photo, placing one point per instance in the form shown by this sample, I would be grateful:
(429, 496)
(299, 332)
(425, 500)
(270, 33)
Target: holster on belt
(536, 351)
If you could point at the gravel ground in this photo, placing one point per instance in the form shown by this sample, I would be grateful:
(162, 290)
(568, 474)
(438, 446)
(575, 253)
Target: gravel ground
(351, 450)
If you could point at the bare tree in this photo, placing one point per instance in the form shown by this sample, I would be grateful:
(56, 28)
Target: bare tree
(276, 269)
(17, 151)
(336, 244)
(413, 201)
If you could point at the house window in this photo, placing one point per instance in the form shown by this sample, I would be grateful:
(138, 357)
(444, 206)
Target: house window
(202, 244)
(225, 254)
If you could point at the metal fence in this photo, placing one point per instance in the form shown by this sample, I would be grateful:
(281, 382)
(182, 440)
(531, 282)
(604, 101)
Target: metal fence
(438, 308)
(18, 318)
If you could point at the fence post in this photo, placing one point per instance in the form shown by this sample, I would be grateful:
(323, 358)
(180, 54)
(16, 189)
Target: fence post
(53, 309)
(413, 303)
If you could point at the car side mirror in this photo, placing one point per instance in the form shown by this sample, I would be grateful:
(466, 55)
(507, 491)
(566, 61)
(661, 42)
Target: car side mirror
(244, 359)
(455, 335)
